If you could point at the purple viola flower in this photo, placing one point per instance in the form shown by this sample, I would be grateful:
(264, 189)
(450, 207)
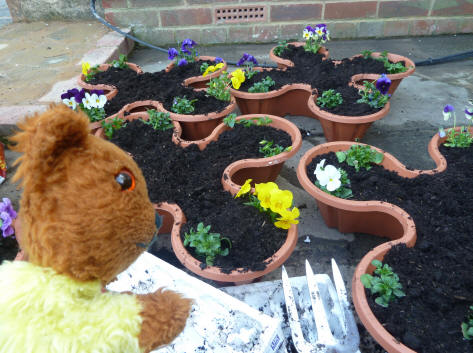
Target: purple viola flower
(172, 53)
(182, 62)
(6, 206)
(98, 92)
(70, 93)
(448, 111)
(310, 29)
(218, 59)
(243, 59)
(6, 224)
(252, 59)
(186, 45)
(383, 83)
(79, 96)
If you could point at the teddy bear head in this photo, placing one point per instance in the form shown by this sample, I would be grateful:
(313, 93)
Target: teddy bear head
(84, 209)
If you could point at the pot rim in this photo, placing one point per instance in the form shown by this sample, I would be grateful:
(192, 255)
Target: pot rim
(288, 63)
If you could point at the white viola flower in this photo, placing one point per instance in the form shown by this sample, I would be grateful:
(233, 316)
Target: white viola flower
(319, 169)
(70, 102)
(331, 178)
(87, 101)
(319, 31)
(100, 102)
(94, 100)
(306, 34)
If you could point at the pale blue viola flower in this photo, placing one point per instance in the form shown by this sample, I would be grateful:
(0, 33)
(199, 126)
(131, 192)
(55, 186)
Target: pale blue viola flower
(448, 112)
(6, 206)
(442, 132)
(6, 224)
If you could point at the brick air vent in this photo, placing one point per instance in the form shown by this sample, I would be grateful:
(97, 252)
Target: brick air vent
(240, 14)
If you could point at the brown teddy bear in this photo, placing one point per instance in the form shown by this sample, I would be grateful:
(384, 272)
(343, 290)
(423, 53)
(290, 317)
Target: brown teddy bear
(85, 216)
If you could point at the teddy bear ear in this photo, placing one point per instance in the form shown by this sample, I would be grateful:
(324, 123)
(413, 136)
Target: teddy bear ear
(44, 137)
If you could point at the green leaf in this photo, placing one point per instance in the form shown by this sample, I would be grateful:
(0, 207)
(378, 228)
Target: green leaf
(366, 280)
(341, 156)
(380, 301)
(377, 263)
(378, 158)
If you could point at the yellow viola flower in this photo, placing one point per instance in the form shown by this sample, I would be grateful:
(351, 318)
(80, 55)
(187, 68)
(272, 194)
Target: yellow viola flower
(263, 191)
(238, 77)
(281, 200)
(209, 69)
(287, 218)
(245, 188)
(219, 66)
(85, 68)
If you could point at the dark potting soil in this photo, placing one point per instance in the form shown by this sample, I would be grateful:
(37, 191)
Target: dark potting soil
(350, 107)
(192, 179)
(436, 272)
(8, 248)
(159, 86)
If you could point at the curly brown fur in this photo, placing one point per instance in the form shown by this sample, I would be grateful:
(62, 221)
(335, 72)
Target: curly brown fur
(74, 216)
(164, 317)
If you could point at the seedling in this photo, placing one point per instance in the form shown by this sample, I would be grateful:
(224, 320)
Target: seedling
(120, 63)
(371, 95)
(329, 99)
(391, 68)
(269, 149)
(385, 283)
(262, 86)
(158, 120)
(230, 121)
(467, 327)
(280, 48)
(359, 156)
(206, 243)
(109, 127)
(182, 105)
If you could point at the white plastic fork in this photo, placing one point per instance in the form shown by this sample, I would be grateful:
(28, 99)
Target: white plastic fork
(334, 321)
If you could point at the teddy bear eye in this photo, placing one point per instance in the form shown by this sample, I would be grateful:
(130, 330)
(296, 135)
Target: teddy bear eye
(126, 180)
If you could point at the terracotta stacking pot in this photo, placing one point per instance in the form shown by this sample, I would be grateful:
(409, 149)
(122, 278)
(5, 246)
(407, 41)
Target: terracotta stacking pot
(288, 100)
(371, 217)
(395, 78)
(200, 81)
(110, 91)
(237, 276)
(199, 126)
(344, 128)
(285, 63)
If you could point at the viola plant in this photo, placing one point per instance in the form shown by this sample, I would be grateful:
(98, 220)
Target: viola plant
(329, 99)
(385, 283)
(7, 215)
(158, 120)
(262, 86)
(360, 156)
(269, 149)
(182, 105)
(332, 180)
(391, 68)
(205, 68)
(90, 103)
(249, 62)
(219, 87)
(185, 54)
(230, 121)
(467, 327)
(88, 71)
(269, 199)
(462, 138)
(375, 93)
(206, 243)
(120, 63)
(315, 37)
(280, 48)
(111, 125)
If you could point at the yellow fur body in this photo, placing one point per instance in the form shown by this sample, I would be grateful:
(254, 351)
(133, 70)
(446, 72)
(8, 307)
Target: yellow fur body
(45, 312)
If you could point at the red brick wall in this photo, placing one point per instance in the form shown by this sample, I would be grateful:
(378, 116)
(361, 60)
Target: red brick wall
(169, 21)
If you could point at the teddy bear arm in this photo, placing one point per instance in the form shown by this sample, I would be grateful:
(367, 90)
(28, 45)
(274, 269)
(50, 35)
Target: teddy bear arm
(164, 316)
